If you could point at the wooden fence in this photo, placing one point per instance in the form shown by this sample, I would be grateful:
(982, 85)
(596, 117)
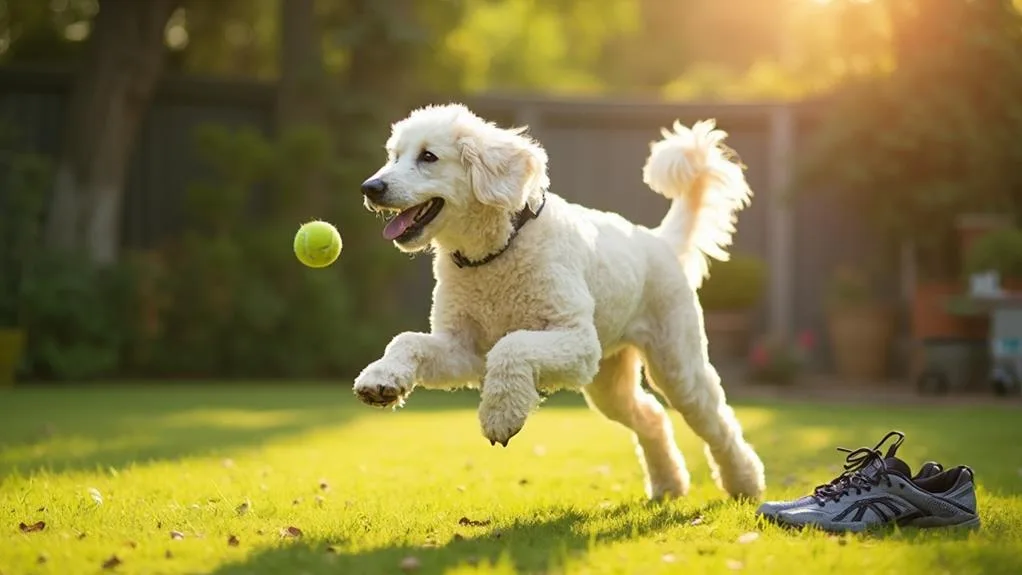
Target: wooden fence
(596, 149)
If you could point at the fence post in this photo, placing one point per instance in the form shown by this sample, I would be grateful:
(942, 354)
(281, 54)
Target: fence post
(780, 222)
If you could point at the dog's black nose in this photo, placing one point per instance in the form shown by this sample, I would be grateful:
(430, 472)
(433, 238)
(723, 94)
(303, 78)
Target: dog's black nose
(374, 189)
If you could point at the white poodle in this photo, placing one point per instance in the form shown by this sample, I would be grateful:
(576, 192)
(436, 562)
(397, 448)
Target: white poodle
(535, 294)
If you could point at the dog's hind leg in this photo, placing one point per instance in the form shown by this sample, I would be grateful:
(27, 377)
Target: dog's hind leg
(616, 393)
(677, 363)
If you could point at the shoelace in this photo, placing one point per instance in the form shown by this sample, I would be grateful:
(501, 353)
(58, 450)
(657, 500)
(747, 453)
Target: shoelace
(855, 462)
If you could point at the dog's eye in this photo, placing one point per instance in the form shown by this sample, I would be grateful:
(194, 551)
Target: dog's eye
(427, 156)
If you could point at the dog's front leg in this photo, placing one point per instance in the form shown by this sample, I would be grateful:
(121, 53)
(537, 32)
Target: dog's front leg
(435, 360)
(514, 366)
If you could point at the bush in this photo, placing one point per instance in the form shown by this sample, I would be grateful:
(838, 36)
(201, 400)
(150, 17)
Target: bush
(24, 183)
(736, 284)
(228, 297)
(76, 316)
(848, 288)
(999, 250)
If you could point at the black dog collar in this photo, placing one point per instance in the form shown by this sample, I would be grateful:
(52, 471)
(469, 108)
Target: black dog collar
(518, 221)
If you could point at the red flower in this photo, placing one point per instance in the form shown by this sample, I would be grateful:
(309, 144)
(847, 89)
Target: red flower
(807, 340)
(759, 356)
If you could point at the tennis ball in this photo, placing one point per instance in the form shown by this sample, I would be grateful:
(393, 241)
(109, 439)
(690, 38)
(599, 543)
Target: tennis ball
(317, 244)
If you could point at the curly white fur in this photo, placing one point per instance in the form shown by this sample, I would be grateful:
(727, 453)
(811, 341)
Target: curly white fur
(582, 299)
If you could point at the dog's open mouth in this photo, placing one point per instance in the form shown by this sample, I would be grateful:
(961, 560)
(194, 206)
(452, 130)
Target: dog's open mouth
(410, 223)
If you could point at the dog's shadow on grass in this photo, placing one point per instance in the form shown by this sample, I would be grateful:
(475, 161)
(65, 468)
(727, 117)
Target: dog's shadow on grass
(529, 545)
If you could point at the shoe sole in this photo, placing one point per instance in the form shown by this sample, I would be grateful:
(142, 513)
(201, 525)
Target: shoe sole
(920, 523)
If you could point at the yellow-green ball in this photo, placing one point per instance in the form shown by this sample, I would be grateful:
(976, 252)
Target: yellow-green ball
(317, 244)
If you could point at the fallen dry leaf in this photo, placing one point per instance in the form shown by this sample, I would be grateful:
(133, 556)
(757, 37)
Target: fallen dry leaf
(112, 562)
(748, 537)
(37, 526)
(473, 522)
(233, 541)
(409, 564)
(291, 531)
(734, 564)
(177, 535)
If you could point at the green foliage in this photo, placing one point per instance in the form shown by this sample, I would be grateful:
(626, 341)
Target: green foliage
(1000, 251)
(76, 316)
(736, 284)
(849, 287)
(24, 187)
(936, 137)
(229, 297)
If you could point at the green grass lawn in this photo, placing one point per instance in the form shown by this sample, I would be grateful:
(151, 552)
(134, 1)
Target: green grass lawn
(300, 479)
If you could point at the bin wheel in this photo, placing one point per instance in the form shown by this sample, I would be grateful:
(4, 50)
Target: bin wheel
(1004, 381)
(933, 382)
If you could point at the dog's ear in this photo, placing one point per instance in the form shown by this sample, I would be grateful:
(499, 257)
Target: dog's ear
(506, 169)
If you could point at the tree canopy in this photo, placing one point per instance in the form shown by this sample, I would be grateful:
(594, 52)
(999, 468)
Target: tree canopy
(671, 48)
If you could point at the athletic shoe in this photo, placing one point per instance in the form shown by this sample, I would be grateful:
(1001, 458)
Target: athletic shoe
(770, 509)
(880, 492)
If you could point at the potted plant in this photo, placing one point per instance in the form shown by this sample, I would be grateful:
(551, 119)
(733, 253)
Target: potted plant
(23, 185)
(728, 296)
(860, 327)
(779, 360)
(998, 252)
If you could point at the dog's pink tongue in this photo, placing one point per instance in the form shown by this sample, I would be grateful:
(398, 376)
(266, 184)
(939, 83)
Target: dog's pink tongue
(399, 224)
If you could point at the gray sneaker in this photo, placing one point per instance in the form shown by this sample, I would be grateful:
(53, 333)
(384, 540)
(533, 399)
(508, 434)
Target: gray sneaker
(770, 509)
(881, 492)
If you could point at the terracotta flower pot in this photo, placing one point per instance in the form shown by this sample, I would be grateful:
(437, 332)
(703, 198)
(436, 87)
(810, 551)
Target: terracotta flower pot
(728, 333)
(861, 340)
(12, 344)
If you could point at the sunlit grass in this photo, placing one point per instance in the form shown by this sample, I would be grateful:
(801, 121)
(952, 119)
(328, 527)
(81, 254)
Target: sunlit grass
(179, 471)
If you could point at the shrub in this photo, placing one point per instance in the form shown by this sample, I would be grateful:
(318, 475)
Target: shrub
(24, 183)
(778, 360)
(999, 250)
(228, 298)
(736, 284)
(848, 288)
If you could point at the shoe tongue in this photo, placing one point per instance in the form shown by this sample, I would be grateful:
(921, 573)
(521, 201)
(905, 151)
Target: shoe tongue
(896, 465)
(400, 224)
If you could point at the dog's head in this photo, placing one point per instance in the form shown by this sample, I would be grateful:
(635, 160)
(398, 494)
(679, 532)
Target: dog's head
(449, 173)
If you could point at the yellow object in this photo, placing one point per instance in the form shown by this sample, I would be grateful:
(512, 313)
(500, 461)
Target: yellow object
(317, 244)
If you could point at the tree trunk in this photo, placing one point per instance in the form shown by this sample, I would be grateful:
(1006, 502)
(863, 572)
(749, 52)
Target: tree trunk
(110, 95)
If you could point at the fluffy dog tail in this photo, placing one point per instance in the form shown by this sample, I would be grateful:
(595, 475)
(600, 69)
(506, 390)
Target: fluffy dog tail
(707, 188)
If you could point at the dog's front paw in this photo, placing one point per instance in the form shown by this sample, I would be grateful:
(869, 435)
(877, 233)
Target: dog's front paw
(502, 416)
(381, 385)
